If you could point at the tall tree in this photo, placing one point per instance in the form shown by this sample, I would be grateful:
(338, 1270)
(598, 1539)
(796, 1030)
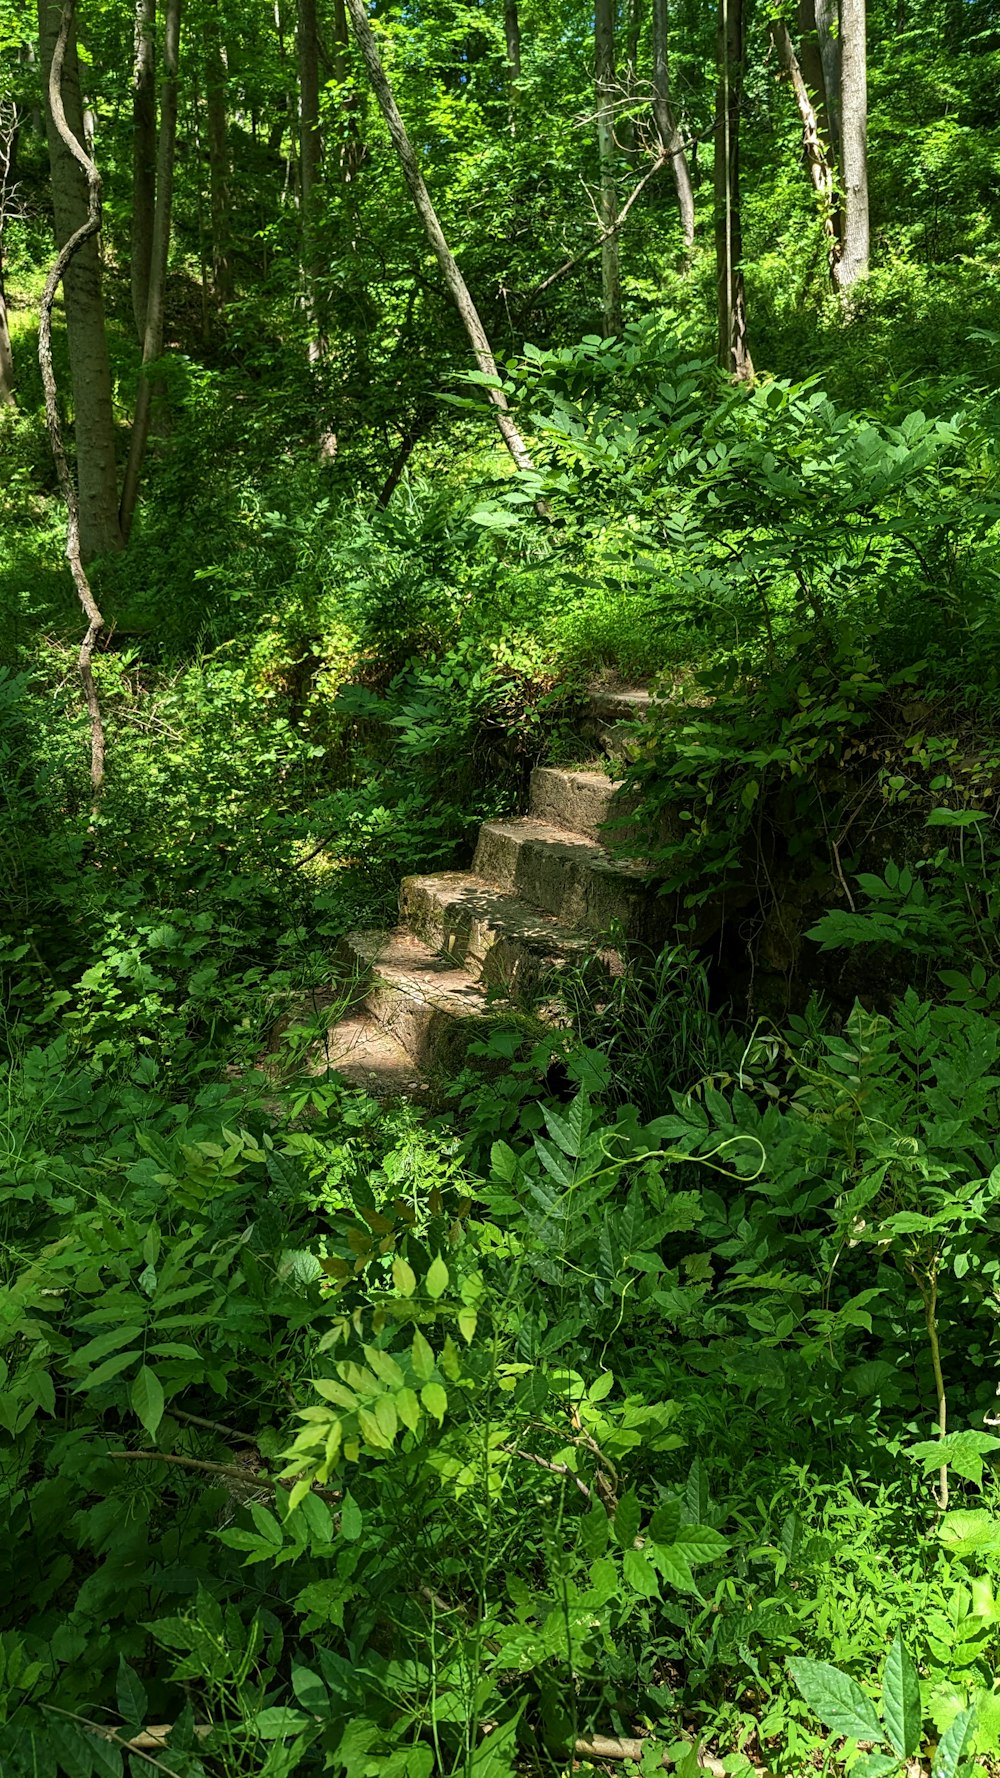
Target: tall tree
(152, 345)
(733, 351)
(671, 141)
(90, 369)
(813, 148)
(143, 157)
(216, 83)
(457, 288)
(59, 70)
(604, 80)
(854, 233)
(310, 164)
(8, 145)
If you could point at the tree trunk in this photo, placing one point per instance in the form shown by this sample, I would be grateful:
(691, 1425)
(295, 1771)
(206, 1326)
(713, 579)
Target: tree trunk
(813, 151)
(854, 234)
(734, 354)
(55, 60)
(152, 345)
(310, 166)
(8, 141)
(90, 370)
(604, 75)
(666, 124)
(512, 37)
(216, 81)
(457, 287)
(828, 34)
(143, 157)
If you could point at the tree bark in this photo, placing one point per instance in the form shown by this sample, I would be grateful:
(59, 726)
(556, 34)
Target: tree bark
(90, 369)
(216, 81)
(457, 287)
(57, 64)
(826, 15)
(666, 124)
(734, 353)
(854, 234)
(813, 151)
(8, 140)
(152, 345)
(604, 80)
(310, 166)
(512, 38)
(143, 157)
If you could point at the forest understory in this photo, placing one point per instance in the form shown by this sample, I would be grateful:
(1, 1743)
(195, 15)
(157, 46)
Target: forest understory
(627, 1398)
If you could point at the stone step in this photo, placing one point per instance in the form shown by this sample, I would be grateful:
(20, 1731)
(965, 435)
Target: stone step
(612, 717)
(367, 1057)
(571, 877)
(580, 801)
(500, 940)
(427, 1004)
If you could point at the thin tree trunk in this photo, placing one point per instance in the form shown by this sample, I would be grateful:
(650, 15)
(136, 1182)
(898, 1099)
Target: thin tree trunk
(90, 370)
(310, 165)
(152, 345)
(811, 63)
(854, 247)
(828, 35)
(457, 287)
(512, 37)
(8, 141)
(143, 158)
(216, 81)
(734, 354)
(813, 150)
(666, 124)
(604, 75)
(55, 57)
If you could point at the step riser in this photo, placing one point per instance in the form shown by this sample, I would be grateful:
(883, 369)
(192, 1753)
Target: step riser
(581, 802)
(580, 893)
(500, 960)
(433, 1038)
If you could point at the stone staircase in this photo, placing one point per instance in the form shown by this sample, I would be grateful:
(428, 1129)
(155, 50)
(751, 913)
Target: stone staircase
(474, 947)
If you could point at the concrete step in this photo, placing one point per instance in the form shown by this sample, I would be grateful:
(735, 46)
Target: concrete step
(612, 717)
(367, 1057)
(580, 801)
(571, 877)
(501, 941)
(427, 1004)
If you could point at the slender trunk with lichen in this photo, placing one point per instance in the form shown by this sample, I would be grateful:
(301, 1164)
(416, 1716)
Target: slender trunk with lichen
(152, 345)
(733, 350)
(458, 290)
(854, 234)
(90, 367)
(604, 78)
(813, 150)
(76, 244)
(143, 158)
(671, 141)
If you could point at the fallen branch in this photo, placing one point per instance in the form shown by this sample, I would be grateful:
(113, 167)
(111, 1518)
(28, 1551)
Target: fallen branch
(95, 622)
(250, 1478)
(605, 234)
(628, 1747)
(553, 1468)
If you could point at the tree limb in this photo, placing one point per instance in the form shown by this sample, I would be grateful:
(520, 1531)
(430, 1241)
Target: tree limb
(67, 486)
(664, 155)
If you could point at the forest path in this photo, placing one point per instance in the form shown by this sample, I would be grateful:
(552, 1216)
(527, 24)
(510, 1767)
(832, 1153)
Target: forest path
(474, 948)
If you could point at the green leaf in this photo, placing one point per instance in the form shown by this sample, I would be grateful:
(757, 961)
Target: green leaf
(403, 1276)
(351, 1521)
(436, 1281)
(837, 1700)
(639, 1574)
(952, 1744)
(110, 1368)
(146, 1397)
(901, 1700)
(277, 1724)
(422, 1358)
(131, 1695)
(435, 1400)
(627, 1519)
(700, 1543)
